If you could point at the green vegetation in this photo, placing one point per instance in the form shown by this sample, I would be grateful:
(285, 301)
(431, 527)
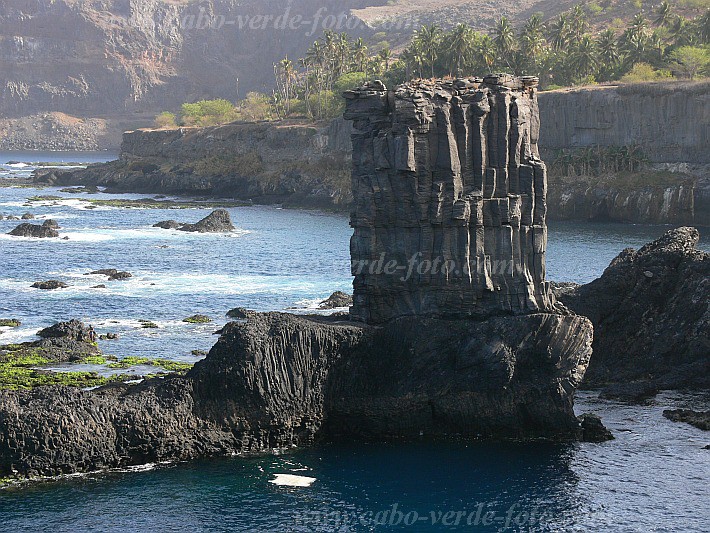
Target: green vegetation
(165, 364)
(10, 322)
(563, 51)
(165, 120)
(197, 319)
(17, 371)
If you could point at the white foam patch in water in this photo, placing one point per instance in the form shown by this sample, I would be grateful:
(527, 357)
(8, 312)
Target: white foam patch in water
(291, 480)
(18, 335)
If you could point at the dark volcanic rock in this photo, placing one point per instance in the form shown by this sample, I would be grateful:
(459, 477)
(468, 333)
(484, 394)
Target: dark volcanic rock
(335, 300)
(279, 380)
(51, 223)
(699, 419)
(631, 392)
(650, 314)
(34, 230)
(239, 313)
(167, 224)
(592, 428)
(103, 272)
(119, 276)
(27, 216)
(218, 221)
(50, 285)
(63, 342)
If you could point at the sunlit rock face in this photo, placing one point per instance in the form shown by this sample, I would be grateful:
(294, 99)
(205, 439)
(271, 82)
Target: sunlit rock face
(450, 209)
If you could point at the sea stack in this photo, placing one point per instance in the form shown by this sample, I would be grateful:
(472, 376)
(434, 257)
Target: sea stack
(448, 186)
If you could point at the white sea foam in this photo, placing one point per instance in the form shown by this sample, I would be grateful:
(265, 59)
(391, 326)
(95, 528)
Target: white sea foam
(291, 480)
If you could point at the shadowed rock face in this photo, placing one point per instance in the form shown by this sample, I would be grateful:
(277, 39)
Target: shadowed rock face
(448, 187)
(34, 230)
(651, 316)
(279, 380)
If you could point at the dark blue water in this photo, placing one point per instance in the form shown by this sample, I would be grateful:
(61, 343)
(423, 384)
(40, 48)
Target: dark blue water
(652, 477)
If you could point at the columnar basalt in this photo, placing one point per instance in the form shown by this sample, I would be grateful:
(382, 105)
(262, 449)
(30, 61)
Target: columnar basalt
(449, 216)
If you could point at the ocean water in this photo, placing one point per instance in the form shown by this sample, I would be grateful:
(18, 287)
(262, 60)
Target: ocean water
(653, 477)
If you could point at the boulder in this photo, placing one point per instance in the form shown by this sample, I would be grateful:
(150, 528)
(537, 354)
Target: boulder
(239, 313)
(10, 323)
(335, 300)
(651, 317)
(592, 428)
(51, 223)
(50, 285)
(218, 221)
(117, 276)
(27, 216)
(167, 224)
(34, 230)
(197, 319)
(699, 419)
(102, 272)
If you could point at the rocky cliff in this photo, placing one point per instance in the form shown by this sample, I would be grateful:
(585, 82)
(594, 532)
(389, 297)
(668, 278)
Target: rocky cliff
(665, 123)
(651, 315)
(295, 164)
(117, 57)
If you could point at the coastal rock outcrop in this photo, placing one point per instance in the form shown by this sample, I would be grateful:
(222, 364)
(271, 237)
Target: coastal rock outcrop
(699, 419)
(651, 317)
(50, 285)
(34, 230)
(218, 221)
(336, 300)
(278, 380)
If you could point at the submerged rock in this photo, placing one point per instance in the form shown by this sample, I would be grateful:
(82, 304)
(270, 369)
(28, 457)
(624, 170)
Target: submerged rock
(27, 216)
(197, 319)
(218, 221)
(650, 314)
(120, 276)
(50, 285)
(699, 419)
(34, 230)
(167, 224)
(10, 323)
(335, 300)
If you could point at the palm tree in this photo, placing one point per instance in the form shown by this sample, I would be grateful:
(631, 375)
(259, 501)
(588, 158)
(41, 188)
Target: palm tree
(578, 23)
(385, 57)
(504, 37)
(360, 54)
(638, 24)
(584, 57)
(487, 51)
(461, 42)
(608, 53)
(532, 41)
(430, 37)
(343, 49)
(560, 32)
(680, 32)
(664, 14)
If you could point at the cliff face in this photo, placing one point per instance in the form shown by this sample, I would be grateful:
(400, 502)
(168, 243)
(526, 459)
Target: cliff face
(669, 121)
(448, 174)
(117, 57)
(301, 165)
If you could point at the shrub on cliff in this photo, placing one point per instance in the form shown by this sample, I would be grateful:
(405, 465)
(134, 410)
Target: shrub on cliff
(207, 112)
(166, 120)
(645, 72)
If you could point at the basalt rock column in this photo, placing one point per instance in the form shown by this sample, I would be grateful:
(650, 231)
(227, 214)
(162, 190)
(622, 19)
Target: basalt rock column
(449, 191)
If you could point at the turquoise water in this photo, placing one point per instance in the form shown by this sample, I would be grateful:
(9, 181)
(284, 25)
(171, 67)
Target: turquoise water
(650, 478)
